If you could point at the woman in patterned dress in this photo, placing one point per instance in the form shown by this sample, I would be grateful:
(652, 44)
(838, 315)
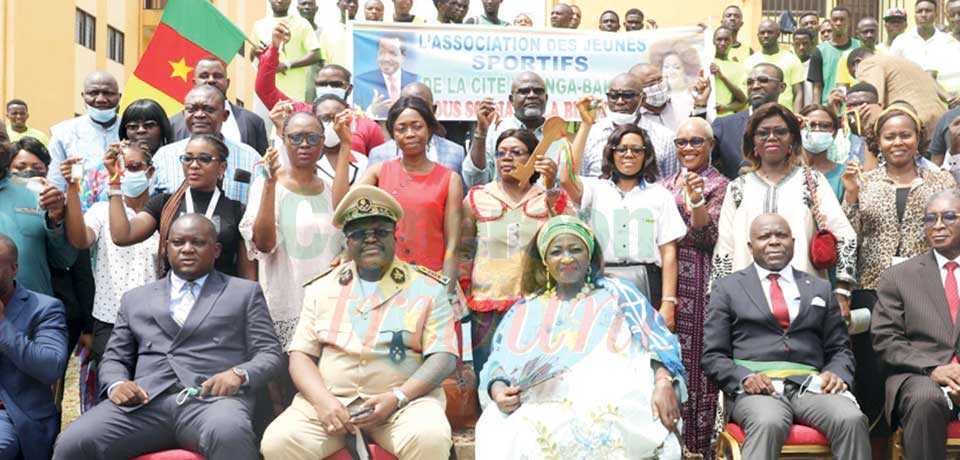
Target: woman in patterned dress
(698, 190)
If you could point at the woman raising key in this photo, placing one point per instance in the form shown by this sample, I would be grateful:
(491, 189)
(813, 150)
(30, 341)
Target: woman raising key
(566, 376)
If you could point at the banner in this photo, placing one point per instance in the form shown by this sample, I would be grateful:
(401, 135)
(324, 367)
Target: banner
(464, 64)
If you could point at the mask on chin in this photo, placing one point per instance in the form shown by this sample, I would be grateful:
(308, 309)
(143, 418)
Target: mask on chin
(623, 118)
(101, 115)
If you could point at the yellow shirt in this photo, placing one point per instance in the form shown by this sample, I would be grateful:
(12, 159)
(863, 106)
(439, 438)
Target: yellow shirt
(740, 54)
(32, 132)
(303, 41)
(792, 69)
(736, 73)
(333, 41)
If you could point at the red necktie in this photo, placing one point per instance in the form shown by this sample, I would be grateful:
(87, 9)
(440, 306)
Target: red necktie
(779, 303)
(950, 286)
(392, 89)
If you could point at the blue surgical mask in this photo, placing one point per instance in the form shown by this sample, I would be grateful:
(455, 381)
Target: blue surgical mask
(817, 141)
(101, 115)
(133, 184)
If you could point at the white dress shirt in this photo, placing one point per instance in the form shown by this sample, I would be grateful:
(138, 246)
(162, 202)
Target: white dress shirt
(942, 262)
(791, 293)
(230, 129)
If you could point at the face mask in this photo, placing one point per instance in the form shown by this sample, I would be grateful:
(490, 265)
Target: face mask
(29, 174)
(101, 115)
(657, 95)
(324, 90)
(330, 137)
(817, 141)
(622, 118)
(133, 184)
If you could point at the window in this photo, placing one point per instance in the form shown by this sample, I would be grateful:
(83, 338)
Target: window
(154, 4)
(115, 44)
(86, 29)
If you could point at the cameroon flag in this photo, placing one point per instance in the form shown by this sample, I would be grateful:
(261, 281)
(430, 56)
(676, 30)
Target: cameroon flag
(188, 31)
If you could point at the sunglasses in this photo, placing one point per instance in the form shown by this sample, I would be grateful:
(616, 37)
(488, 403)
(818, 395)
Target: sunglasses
(948, 218)
(625, 95)
(363, 235)
(312, 139)
(780, 132)
(203, 159)
(819, 126)
(623, 149)
(693, 142)
(147, 124)
(515, 153)
(528, 91)
(762, 79)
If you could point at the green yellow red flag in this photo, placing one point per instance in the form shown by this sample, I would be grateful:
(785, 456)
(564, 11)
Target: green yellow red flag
(188, 31)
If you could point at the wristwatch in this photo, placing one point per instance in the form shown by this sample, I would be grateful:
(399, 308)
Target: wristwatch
(240, 373)
(402, 399)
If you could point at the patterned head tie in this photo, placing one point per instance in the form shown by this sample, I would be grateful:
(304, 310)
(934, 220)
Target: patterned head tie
(565, 225)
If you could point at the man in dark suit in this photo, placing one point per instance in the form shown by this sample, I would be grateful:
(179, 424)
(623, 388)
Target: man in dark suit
(764, 84)
(241, 125)
(377, 90)
(186, 356)
(33, 354)
(775, 342)
(915, 334)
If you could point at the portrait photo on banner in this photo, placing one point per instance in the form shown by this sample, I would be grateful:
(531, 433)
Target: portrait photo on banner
(464, 64)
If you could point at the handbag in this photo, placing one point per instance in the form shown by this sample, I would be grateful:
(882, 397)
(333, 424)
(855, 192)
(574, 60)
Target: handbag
(460, 389)
(823, 245)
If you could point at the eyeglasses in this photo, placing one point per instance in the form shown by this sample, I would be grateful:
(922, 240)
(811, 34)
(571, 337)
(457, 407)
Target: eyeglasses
(332, 84)
(820, 126)
(203, 159)
(695, 142)
(780, 132)
(146, 124)
(193, 109)
(362, 235)
(625, 95)
(136, 167)
(762, 79)
(948, 218)
(312, 139)
(515, 153)
(528, 91)
(623, 149)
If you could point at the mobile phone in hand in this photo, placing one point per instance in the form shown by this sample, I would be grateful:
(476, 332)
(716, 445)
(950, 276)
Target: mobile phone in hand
(362, 412)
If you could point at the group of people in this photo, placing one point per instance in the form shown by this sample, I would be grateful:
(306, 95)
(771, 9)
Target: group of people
(241, 297)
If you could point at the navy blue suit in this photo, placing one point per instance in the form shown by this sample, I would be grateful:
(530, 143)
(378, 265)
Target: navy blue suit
(33, 354)
(366, 83)
(728, 149)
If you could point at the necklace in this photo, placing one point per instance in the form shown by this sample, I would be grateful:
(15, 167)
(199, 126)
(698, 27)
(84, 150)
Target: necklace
(584, 291)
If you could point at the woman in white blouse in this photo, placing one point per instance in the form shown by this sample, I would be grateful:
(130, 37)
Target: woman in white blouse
(288, 225)
(634, 218)
(117, 269)
(775, 181)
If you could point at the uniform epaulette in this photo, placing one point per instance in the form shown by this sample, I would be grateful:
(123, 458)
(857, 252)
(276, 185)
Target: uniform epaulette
(444, 280)
(320, 276)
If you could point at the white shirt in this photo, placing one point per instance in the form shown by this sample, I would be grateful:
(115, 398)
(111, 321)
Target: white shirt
(117, 269)
(942, 262)
(933, 54)
(230, 129)
(631, 226)
(177, 291)
(791, 293)
(395, 79)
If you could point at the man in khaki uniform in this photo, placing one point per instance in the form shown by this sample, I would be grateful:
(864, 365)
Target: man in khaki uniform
(375, 334)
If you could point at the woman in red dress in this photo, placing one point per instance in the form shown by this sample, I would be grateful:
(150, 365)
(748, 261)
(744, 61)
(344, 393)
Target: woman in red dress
(430, 193)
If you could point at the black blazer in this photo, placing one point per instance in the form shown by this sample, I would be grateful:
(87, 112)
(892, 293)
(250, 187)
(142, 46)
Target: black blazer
(728, 148)
(252, 130)
(740, 325)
